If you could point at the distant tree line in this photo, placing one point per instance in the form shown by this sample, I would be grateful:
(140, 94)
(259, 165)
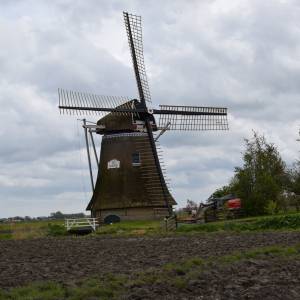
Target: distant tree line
(264, 182)
(53, 216)
(59, 215)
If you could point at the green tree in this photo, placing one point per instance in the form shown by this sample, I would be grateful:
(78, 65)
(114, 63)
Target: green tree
(294, 186)
(224, 190)
(294, 176)
(262, 177)
(57, 215)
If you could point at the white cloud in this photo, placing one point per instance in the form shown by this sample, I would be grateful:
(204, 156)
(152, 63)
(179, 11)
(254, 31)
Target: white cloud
(239, 54)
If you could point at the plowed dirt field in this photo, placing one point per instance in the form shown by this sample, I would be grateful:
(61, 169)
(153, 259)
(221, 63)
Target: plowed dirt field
(70, 258)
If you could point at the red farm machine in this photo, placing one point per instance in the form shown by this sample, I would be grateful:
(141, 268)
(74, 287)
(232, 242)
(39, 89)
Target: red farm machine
(215, 209)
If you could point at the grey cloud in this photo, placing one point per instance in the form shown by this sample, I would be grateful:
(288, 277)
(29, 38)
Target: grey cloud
(240, 54)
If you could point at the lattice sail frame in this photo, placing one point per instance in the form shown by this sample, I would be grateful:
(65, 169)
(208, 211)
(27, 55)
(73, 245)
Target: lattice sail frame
(179, 117)
(135, 24)
(80, 103)
(209, 118)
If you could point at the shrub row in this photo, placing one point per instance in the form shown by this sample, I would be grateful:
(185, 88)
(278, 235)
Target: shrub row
(291, 221)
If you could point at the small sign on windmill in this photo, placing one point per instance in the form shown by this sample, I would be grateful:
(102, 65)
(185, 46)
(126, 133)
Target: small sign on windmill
(130, 182)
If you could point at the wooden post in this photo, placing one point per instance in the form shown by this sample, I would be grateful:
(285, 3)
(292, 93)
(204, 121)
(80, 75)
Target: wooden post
(94, 147)
(88, 153)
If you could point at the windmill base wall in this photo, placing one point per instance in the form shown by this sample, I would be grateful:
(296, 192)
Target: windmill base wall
(137, 213)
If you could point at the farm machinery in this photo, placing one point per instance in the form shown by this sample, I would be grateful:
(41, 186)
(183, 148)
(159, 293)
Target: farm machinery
(215, 209)
(227, 207)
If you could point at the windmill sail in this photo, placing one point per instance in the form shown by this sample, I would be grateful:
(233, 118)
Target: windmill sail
(133, 26)
(71, 102)
(192, 117)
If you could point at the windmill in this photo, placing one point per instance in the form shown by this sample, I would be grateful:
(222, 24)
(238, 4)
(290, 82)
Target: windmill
(130, 182)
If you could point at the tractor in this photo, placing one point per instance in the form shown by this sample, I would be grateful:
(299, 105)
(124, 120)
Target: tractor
(223, 208)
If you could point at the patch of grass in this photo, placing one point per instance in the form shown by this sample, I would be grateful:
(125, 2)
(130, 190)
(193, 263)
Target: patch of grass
(108, 287)
(277, 251)
(56, 230)
(131, 228)
(290, 221)
(35, 291)
(179, 282)
(93, 288)
(89, 289)
(184, 266)
(26, 230)
(5, 236)
(38, 229)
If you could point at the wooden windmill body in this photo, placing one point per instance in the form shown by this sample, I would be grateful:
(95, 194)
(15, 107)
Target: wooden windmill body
(130, 182)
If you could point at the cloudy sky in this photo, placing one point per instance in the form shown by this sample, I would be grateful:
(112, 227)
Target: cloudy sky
(244, 55)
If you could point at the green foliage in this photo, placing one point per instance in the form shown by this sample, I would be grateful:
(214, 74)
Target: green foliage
(294, 174)
(294, 186)
(223, 191)
(57, 215)
(279, 222)
(291, 221)
(271, 208)
(264, 183)
(56, 230)
(5, 236)
(61, 216)
(262, 178)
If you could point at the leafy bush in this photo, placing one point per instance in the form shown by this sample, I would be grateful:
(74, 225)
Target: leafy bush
(291, 221)
(5, 236)
(56, 230)
(279, 222)
(271, 208)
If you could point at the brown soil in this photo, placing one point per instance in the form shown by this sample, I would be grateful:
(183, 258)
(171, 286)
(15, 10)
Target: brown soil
(264, 278)
(69, 259)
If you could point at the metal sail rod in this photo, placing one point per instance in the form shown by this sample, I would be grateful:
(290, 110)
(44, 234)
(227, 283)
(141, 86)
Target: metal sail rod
(134, 59)
(142, 110)
(102, 109)
(88, 153)
(182, 112)
(94, 147)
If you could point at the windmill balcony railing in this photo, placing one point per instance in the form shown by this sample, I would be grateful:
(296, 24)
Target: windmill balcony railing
(81, 223)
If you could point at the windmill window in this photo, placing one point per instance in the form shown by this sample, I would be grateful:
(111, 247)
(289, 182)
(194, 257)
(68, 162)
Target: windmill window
(136, 161)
